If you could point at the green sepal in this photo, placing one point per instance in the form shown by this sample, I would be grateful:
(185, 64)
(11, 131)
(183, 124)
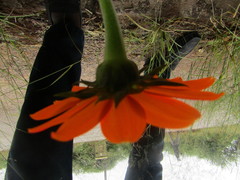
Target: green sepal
(116, 76)
(82, 94)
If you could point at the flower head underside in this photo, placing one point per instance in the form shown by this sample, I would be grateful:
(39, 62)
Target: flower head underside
(125, 121)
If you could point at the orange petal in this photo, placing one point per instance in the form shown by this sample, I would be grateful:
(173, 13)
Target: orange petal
(198, 84)
(63, 117)
(166, 112)
(126, 123)
(56, 108)
(77, 88)
(183, 93)
(83, 121)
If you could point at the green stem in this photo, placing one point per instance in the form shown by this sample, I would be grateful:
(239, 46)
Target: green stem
(114, 47)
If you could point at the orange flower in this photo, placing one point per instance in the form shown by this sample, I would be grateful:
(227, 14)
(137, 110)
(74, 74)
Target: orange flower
(125, 120)
(121, 100)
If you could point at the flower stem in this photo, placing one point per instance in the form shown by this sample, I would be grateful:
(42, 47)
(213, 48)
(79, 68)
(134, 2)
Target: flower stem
(114, 47)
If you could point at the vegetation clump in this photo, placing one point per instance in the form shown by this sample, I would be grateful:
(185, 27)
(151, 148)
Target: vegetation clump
(219, 145)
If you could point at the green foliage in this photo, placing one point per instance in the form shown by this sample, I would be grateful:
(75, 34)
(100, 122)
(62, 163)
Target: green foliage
(3, 159)
(84, 157)
(222, 61)
(118, 151)
(213, 144)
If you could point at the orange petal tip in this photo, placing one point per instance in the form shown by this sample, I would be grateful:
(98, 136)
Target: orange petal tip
(31, 130)
(77, 88)
(61, 138)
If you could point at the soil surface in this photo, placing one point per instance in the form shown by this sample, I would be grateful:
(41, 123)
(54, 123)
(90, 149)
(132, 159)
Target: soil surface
(23, 23)
(30, 18)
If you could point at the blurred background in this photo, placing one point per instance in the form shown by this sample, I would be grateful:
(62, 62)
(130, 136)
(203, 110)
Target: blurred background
(210, 149)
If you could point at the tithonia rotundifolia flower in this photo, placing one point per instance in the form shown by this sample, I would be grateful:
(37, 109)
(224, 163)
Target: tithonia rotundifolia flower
(121, 100)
